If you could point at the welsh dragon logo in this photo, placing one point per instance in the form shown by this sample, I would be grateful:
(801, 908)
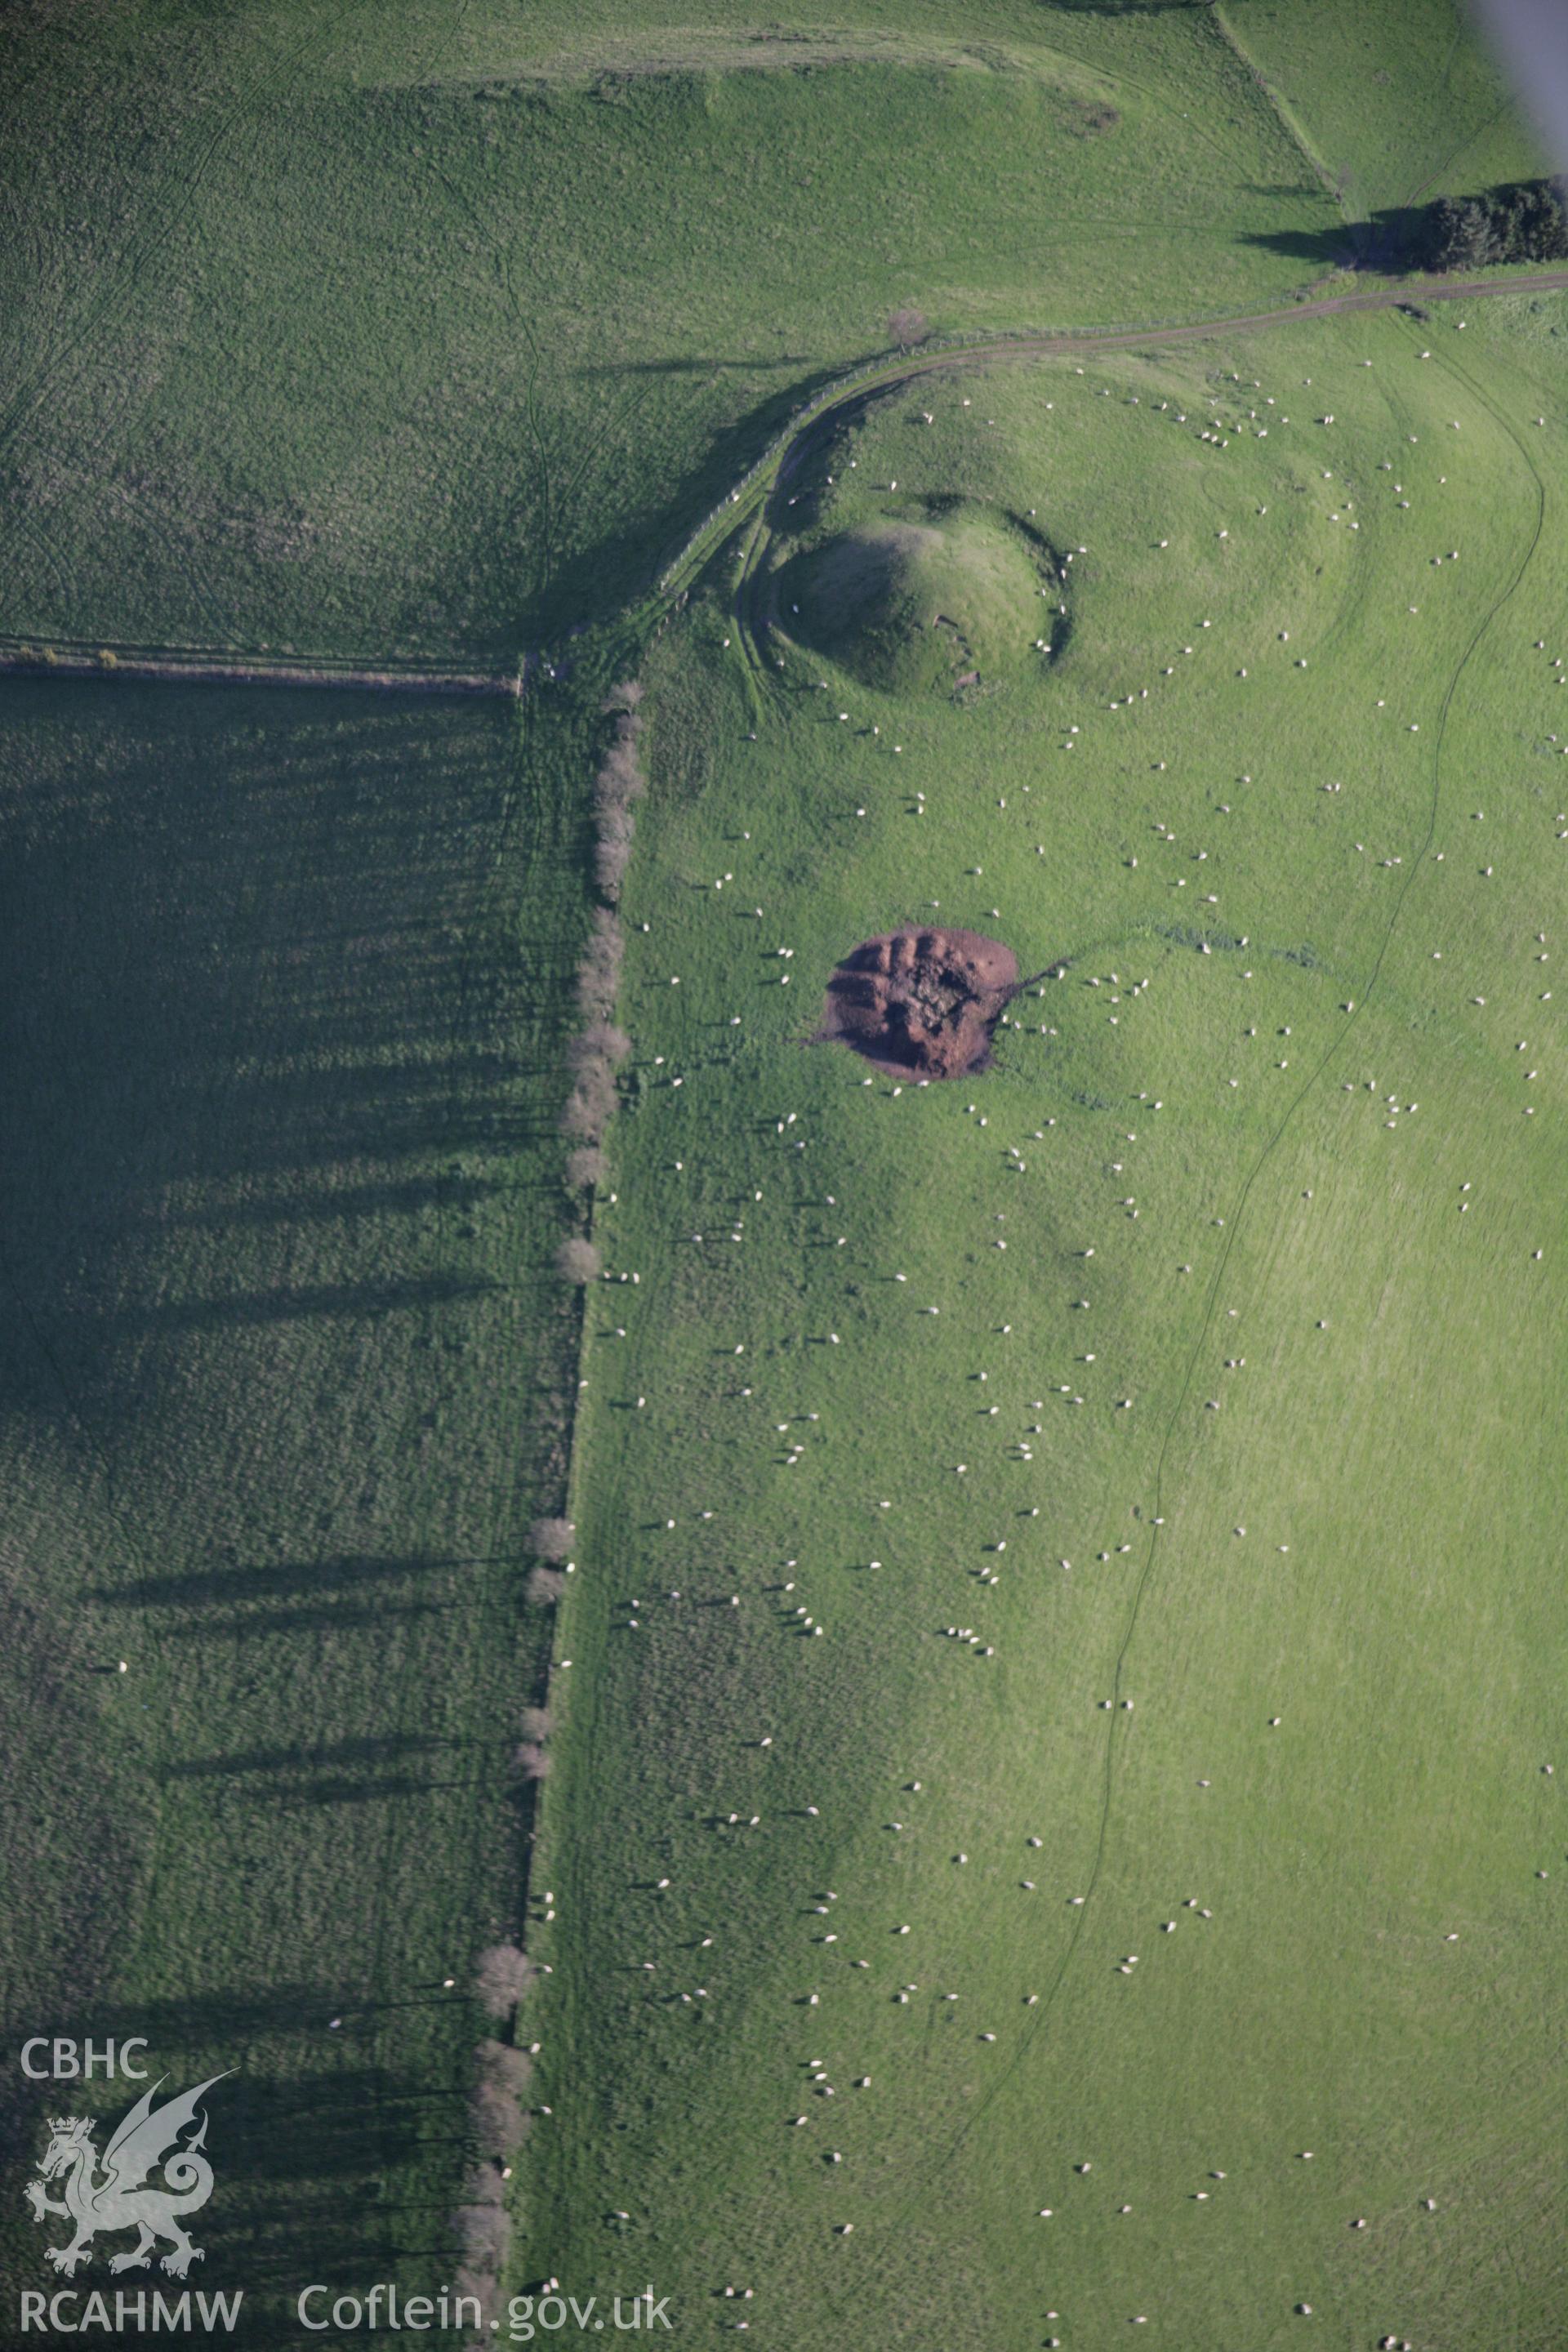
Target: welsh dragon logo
(114, 2198)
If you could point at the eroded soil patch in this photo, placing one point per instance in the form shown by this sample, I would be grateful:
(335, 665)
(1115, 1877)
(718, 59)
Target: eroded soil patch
(921, 1000)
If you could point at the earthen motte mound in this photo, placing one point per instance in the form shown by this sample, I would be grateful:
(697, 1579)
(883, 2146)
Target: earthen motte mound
(905, 604)
(922, 1000)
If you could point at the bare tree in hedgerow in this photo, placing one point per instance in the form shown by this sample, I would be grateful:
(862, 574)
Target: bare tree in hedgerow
(577, 1260)
(551, 1538)
(502, 1975)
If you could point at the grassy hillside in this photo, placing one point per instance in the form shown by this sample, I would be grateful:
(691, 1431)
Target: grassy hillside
(285, 1374)
(375, 335)
(1217, 1321)
(412, 332)
(1400, 99)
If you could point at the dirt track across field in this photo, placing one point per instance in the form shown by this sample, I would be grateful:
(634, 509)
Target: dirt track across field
(172, 664)
(744, 502)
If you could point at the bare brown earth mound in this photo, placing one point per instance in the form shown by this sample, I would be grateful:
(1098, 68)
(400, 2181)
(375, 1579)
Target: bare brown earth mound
(921, 1001)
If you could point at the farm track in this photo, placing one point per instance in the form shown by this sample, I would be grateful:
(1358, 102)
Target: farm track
(39, 657)
(684, 567)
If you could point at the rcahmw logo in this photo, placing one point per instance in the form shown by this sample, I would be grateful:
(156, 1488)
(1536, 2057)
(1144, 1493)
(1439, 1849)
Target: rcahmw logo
(119, 2191)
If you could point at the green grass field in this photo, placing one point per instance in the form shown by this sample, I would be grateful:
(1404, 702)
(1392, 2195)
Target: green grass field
(1359, 1540)
(1399, 97)
(972, 1473)
(485, 407)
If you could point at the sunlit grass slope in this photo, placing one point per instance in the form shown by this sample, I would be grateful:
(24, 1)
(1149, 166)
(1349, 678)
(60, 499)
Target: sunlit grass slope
(405, 331)
(1196, 1365)
(353, 331)
(1400, 99)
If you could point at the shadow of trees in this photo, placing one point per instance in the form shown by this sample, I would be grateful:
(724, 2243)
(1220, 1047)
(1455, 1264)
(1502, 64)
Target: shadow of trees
(1389, 239)
(282, 987)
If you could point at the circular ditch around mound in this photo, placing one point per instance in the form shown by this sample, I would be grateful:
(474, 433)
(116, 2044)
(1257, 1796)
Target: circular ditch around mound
(906, 605)
(920, 1000)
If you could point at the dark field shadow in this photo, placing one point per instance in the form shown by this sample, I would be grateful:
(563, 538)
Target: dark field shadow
(741, 366)
(232, 1586)
(302, 2165)
(281, 988)
(1386, 240)
(239, 989)
(369, 1751)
